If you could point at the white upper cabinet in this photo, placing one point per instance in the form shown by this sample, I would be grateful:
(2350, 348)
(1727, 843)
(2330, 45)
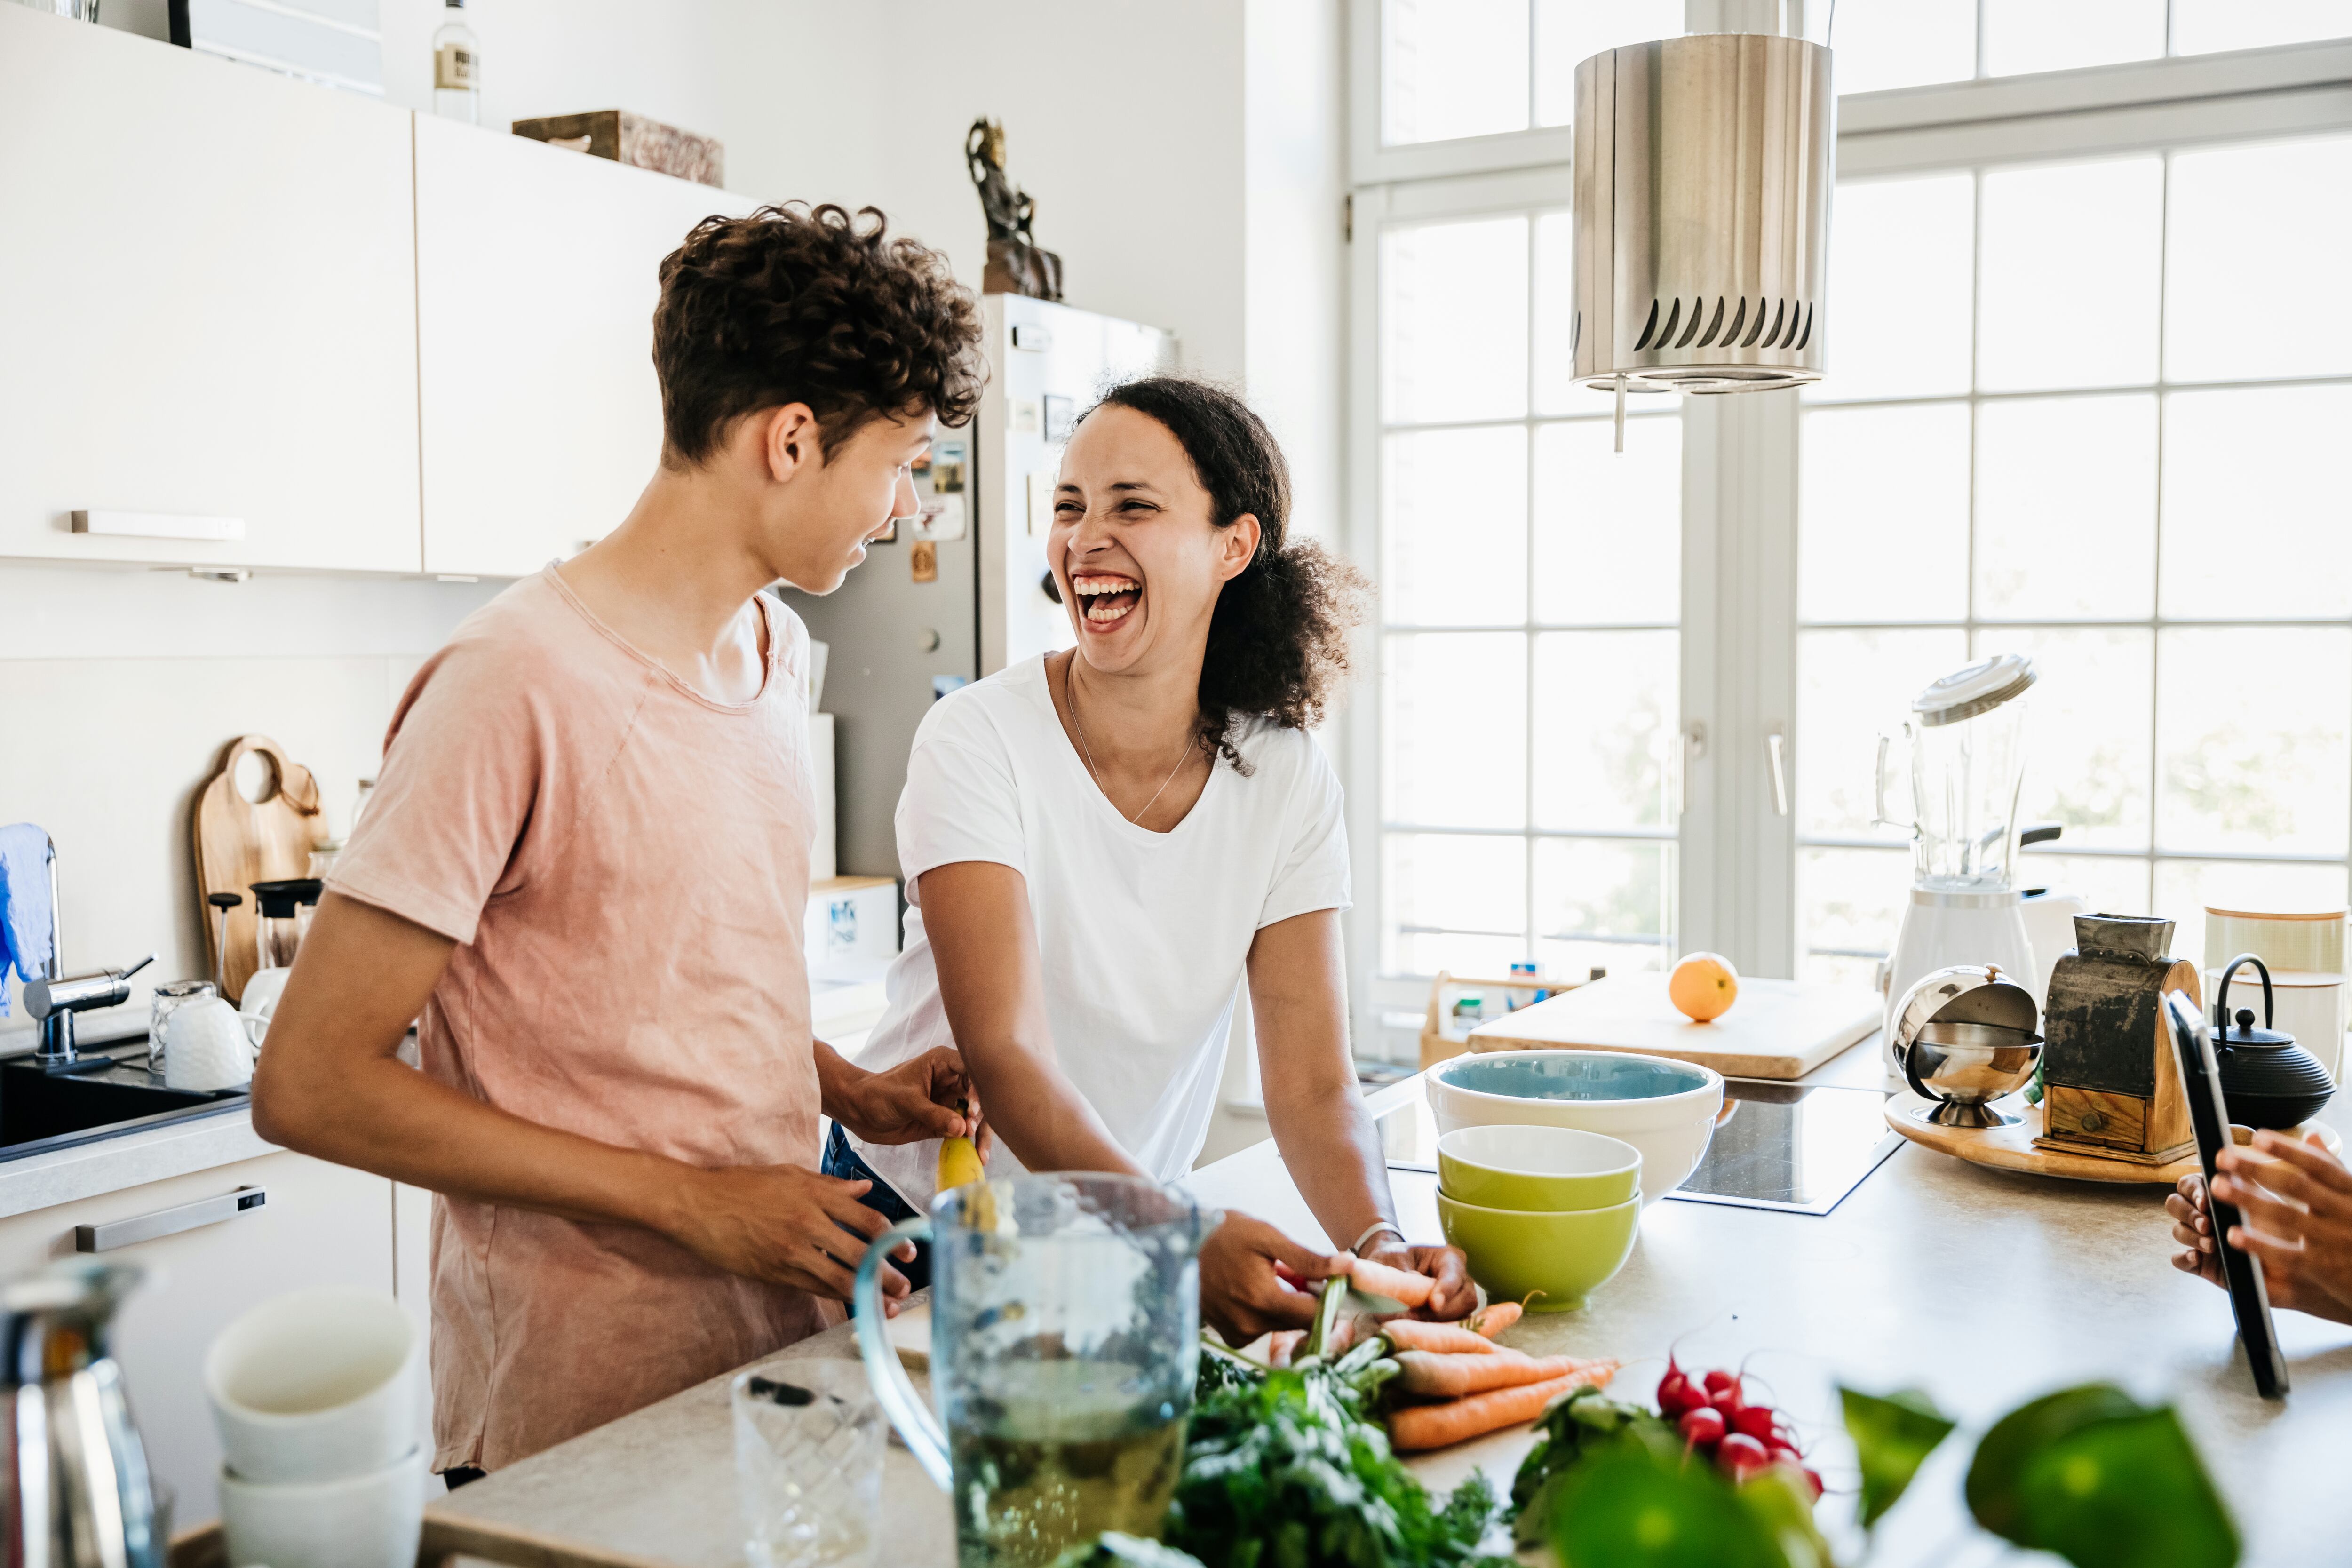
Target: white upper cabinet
(537, 280)
(207, 307)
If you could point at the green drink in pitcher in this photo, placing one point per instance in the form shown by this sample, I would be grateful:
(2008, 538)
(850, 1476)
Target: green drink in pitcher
(1065, 1318)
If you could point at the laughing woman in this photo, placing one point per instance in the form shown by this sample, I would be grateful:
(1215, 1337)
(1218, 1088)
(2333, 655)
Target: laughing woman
(1100, 844)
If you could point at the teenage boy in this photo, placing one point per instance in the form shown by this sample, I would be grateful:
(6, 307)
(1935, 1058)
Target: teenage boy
(586, 864)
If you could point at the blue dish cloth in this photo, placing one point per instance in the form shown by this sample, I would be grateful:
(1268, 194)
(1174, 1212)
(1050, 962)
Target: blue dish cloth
(27, 923)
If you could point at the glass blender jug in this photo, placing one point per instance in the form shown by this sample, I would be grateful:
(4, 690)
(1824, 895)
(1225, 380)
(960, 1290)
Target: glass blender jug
(1966, 741)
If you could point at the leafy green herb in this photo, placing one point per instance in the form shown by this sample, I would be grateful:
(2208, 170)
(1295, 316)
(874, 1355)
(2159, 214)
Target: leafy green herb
(1622, 1504)
(1585, 1422)
(2101, 1481)
(1113, 1549)
(1893, 1434)
(1284, 1473)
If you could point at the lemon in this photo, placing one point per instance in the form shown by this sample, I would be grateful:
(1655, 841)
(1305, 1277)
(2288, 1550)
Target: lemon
(960, 1164)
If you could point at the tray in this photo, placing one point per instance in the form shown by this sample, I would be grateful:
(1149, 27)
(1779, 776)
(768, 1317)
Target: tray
(2011, 1148)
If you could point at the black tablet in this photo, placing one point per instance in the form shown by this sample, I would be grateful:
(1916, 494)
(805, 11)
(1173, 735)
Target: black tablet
(2200, 1076)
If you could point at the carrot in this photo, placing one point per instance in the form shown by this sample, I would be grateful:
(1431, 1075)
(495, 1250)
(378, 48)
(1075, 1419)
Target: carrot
(1283, 1344)
(1412, 1334)
(1379, 1279)
(1492, 1318)
(1421, 1426)
(1452, 1376)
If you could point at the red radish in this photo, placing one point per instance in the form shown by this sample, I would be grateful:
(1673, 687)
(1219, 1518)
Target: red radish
(1719, 1380)
(1702, 1427)
(1727, 1400)
(1676, 1397)
(1739, 1453)
(1814, 1477)
(1757, 1420)
(1783, 1452)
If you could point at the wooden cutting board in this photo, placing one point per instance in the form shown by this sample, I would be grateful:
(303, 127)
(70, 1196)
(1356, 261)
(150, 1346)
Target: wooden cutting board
(1778, 1028)
(240, 842)
(2013, 1148)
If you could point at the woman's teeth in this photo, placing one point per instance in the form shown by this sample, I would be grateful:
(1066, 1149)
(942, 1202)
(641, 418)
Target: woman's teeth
(1107, 597)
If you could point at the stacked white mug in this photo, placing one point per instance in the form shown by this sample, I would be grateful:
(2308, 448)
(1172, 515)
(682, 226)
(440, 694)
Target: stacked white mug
(319, 1397)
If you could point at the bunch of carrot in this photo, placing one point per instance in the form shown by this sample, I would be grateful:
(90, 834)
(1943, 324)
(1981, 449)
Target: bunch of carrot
(1460, 1384)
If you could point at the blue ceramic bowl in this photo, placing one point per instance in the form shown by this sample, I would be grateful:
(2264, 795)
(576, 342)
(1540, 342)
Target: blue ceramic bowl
(1667, 1110)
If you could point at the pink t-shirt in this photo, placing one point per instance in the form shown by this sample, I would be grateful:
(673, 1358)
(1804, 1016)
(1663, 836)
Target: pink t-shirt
(624, 864)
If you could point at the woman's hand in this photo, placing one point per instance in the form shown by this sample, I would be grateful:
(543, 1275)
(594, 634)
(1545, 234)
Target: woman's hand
(908, 1103)
(1241, 1296)
(1455, 1295)
(2296, 1218)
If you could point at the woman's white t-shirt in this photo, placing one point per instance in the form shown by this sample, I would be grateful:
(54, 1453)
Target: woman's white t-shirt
(1143, 936)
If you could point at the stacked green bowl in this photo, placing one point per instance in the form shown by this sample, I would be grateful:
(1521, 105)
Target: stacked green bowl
(1545, 1215)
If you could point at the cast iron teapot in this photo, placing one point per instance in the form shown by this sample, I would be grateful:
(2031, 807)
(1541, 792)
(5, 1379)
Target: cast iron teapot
(2267, 1080)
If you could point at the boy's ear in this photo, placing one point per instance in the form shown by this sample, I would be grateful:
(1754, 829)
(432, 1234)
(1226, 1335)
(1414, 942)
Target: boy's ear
(789, 441)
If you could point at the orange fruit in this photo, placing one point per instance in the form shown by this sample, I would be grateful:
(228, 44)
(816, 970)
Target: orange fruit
(1703, 986)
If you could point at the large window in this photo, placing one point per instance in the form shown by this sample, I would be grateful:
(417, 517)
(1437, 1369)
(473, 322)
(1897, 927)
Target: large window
(2087, 381)
(2067, 420)
(1529, 604)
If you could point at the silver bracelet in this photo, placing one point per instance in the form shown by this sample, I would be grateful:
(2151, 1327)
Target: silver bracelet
(1375, 1229)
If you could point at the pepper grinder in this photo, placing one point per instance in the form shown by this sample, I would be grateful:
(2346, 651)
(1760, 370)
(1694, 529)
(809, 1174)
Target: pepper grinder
(222, 903)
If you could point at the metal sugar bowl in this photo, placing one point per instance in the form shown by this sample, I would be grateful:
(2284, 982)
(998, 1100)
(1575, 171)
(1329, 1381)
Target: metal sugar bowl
(1964, 1037)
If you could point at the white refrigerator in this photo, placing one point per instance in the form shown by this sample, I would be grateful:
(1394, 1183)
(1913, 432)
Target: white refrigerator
(899, 641)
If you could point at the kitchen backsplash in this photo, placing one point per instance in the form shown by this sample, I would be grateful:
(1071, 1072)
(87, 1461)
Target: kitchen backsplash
(119, 690)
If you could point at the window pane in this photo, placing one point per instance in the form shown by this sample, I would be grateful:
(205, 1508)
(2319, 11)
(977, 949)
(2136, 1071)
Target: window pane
(1571, 31)
(2254, 230)
(1457, 726)
(1852, 687)
(1901, 289)
(2066, 507)
(2110, 884)
(2185, 889)
(1454, 321)
(2023, 35)
(1903, 43)
(1456, 527)
(1609, 526)
(2251, 728)
(1458, 882)
(2070, 276)
(1454, 67)
(1883, 514)
(2203, 26)
(2088, 747)
(1606, 766)
(2256, 519)
(1587, 889)
(1556, 388)
(1848, 901)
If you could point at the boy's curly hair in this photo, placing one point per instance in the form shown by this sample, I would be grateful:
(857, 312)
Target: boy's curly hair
(1278, 635)
(798, 304)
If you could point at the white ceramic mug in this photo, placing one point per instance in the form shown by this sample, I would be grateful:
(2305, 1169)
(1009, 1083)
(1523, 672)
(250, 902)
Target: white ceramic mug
(319, 1385)
(371, 1520)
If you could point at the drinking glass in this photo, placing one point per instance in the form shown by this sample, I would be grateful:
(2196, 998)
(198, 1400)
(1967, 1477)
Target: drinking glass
(808, 1463)
(170, 998)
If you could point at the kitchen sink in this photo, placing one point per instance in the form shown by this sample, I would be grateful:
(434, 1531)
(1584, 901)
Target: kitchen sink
(41, 1110)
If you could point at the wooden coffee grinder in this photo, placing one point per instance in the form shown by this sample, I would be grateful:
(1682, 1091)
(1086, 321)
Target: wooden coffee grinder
(2111, 1078)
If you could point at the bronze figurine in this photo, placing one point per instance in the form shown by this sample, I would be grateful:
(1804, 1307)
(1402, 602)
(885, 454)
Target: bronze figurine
(1015, 264)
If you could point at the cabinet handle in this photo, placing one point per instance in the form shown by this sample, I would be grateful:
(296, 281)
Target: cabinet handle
(117, 1233)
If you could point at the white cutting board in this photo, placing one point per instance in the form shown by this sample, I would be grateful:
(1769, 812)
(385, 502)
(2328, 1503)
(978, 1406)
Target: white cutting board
(1777, 1028)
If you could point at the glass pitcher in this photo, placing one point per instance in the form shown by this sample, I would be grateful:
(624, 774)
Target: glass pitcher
(1966, 743)
(1065, 1331)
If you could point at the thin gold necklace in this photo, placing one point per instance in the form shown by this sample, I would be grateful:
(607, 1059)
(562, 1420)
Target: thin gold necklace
(1070, 695)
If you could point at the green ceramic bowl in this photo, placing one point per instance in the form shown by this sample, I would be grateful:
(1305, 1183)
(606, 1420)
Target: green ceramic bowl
(1565, 1257)
(1542, 1170)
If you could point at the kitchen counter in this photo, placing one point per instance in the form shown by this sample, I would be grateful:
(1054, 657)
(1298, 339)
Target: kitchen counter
(1982, 1287)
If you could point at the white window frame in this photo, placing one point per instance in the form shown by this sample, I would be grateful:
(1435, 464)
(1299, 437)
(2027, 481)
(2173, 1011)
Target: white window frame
(1738, 854)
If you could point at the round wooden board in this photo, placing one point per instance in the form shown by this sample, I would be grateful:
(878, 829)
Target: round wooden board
(2011, 1148)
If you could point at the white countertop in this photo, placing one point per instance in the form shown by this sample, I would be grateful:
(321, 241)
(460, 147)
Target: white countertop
(1982, 1287)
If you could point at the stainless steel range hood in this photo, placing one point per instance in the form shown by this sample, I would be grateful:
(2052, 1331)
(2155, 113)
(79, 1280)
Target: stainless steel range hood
(1702, 205)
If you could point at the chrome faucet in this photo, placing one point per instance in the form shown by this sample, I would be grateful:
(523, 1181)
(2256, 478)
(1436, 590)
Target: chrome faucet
(55, 999)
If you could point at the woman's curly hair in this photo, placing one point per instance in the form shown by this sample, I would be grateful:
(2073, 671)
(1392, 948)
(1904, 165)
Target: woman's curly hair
(795, 304)
(1278, 638)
